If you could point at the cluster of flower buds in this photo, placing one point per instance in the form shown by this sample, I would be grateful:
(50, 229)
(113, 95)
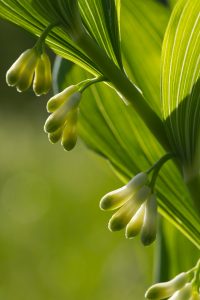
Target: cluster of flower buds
(33, 65)
(137, 209)
(62, 123)
(179, 288)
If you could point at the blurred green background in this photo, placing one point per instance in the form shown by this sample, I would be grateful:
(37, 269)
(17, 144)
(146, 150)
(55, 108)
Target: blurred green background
(54, 239)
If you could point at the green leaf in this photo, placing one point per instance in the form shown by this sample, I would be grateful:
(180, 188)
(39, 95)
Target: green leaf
(101, 18)
(110, 128)
(35, 15)
(142, 28)
(181, 83)
(22, 13)
(170, 260)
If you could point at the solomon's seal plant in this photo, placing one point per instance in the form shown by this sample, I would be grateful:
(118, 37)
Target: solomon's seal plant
(33, 63)
(155, 71)
(183, 286)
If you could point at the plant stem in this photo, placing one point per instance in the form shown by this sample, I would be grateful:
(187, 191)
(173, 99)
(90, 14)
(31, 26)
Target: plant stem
(193, 184)
(40, 42)
(124, 86)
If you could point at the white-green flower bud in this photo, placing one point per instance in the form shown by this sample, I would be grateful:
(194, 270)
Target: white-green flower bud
(149, 227)
(69, 136)
(117, 198)
(55, 136)
(21, 72)
(56, 101)
(165, 290)
(134, 226)
(43, 79)
(58, 118)
(122, 217)
(183, 294)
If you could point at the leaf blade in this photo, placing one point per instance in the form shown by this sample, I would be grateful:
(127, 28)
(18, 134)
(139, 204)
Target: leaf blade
(180, 81)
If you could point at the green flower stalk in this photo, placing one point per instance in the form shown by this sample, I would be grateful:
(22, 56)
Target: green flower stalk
(64, 12)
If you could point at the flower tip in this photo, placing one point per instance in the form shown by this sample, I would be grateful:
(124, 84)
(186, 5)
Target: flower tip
(106, 202)
(130, 234)
(11, 78)
(19, 90)
(39, 91)
(148, 239)
(149, 294)
(154, 293)
(69, 145)
(54, 122)
(116, 224)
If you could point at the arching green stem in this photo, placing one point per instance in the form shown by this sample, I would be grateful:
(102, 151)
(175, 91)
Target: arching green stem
(193, 184)
(124, 86)
(40, 42)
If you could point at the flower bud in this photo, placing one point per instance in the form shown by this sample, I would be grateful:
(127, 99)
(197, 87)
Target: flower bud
(58, 118)
(69, 136)
(122, 217)
(134, 226)
(55, 136)
(43, 79)
(21, 72)
(57, 100)
(166, 289)
(183, 294)
(117, 198)
(149, 228)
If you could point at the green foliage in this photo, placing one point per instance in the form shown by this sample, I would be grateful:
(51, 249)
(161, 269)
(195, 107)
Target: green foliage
(130, 134)
(108, 126)
(181, 85)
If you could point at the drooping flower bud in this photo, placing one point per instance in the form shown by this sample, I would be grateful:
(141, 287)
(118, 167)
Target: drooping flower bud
(183, 294)
(43, 79)
(69, 136)
(59, 117)
(56, 101)
(167, 289)
(134, 226)
(55, 136)
(21, 72)
(149, 227)
(122, 217)
(118, 197)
